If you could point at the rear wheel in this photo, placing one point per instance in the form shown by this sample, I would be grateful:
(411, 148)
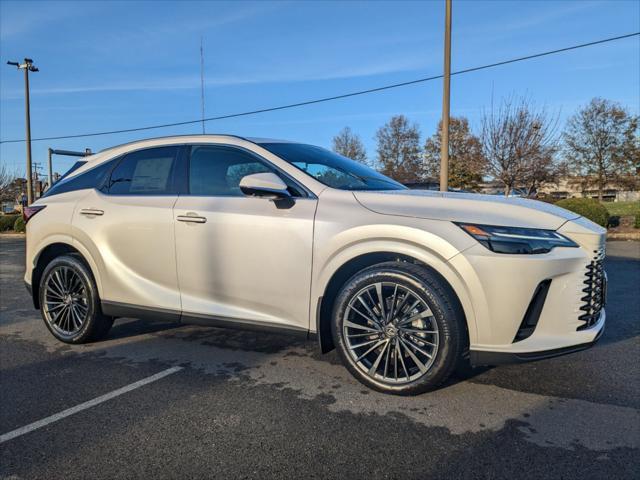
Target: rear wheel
(398, 328)
(69, 302)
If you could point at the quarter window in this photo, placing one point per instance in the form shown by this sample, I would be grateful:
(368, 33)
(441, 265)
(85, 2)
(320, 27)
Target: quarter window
(92, 178)
(146, 172)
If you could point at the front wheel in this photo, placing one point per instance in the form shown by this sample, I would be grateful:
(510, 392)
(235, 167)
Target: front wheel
(398, 328)
(69, 302)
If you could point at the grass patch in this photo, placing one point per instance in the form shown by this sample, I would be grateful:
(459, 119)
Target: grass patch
(621, 209)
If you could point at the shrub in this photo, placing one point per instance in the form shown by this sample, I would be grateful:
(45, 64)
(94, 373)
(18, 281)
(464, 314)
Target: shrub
(7, 221)
(547, 199)
(19, 225)
(587, 207)
(614, 221)
(637, 222)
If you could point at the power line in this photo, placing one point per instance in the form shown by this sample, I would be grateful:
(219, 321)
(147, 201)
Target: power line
(335, 97)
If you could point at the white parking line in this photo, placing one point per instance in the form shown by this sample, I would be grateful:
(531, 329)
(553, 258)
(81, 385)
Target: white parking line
(83, 406)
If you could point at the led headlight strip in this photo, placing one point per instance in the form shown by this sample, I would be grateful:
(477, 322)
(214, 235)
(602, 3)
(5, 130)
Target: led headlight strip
(516, 240)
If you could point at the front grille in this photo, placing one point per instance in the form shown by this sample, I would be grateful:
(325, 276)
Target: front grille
(595, 290)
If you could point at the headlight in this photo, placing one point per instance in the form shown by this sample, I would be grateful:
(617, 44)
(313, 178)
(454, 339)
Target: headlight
(516, 240)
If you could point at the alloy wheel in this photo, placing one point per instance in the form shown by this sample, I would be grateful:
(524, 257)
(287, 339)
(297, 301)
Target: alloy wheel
(66, 305)
(391, 333)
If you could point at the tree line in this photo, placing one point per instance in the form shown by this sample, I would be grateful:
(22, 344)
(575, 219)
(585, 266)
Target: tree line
(518, 144)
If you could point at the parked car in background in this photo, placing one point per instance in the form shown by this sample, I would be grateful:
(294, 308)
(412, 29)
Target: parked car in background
(229, 231)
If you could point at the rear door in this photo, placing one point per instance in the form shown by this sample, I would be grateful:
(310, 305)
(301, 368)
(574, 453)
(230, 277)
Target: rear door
(127, 226)
(242, 259)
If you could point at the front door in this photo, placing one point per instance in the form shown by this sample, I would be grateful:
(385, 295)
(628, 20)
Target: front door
(241, 259)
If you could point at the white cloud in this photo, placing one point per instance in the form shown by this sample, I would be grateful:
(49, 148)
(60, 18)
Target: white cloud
(18, 18)
(313, 72)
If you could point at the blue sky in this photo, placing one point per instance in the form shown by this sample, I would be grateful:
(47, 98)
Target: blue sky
(110, 65)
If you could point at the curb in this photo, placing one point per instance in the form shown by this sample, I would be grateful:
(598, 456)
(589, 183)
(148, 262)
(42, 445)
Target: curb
(13, 235)
(624, 236)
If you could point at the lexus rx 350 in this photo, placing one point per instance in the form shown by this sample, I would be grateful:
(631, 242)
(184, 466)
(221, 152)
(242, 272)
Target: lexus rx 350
(228, 231)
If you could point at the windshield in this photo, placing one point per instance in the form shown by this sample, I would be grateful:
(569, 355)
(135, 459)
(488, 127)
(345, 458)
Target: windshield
(332, 169)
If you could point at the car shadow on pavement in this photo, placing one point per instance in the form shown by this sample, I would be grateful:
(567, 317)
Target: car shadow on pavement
(225, 338)
(130, 327)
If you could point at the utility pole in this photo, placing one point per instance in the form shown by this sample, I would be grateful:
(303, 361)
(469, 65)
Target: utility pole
(27, 66)
(37, 186)
(50, 167)
(446, 85)
(202, 83)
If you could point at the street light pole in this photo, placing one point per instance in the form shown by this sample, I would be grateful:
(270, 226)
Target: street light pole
(50, 167)
(446, 85)
(27, 66)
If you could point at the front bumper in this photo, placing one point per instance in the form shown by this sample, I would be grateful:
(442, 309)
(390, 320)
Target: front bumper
(508, 325)
(485, 358)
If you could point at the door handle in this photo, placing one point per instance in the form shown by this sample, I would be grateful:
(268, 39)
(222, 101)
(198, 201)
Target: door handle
(191, 218)
(91, 211)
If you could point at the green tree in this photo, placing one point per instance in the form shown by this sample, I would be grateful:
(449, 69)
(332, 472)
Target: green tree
(467, 163)
(399, 153)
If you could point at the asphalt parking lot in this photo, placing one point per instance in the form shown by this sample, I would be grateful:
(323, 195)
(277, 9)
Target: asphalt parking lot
(249, 405)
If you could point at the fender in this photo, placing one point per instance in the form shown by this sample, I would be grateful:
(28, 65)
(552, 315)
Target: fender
(418, 252)
(96, 265)
(33, 254)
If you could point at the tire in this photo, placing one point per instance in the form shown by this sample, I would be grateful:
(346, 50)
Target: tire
(69, 302)
(384, 350)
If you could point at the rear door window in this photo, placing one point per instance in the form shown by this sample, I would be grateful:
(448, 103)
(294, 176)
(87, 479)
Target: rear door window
(145, 172)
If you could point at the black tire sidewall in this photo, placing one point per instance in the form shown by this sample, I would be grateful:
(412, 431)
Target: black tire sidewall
(92, 322)
(433, 293)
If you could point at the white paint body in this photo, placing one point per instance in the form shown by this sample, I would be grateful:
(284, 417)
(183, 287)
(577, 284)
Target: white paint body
(253, 262)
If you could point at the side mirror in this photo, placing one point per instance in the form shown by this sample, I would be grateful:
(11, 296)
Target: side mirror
(267, 185)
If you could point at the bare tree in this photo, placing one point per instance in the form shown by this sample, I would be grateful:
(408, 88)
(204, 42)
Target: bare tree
(467, 163)
(7, 182)
(601, 144)
(350, 145)
(542, 168)
(399, 155)
(514, 138)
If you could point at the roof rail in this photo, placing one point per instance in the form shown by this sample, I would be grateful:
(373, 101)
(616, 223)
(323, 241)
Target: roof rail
(174, 136)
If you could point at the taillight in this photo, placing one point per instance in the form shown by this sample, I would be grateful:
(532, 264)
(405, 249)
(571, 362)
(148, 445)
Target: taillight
(28, 212)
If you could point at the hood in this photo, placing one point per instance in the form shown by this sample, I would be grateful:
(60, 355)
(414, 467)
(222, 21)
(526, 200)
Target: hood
(466, 207)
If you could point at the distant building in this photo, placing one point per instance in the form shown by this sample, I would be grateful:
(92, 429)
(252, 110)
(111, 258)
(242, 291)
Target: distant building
(572, 187)
(8, 206)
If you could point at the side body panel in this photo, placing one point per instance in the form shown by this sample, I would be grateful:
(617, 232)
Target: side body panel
(52, 225)
(133, 246)
(250, 261)
(345, 230)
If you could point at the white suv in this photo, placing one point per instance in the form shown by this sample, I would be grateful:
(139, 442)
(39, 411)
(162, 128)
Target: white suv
(228, 231)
